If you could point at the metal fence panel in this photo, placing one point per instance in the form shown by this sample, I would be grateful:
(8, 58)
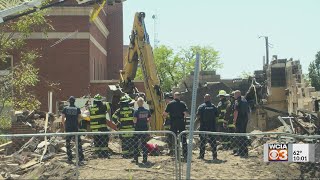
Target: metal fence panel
(252, 166)
(100, 161)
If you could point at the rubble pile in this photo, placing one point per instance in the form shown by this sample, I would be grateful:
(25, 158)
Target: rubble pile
(32, 155)
(36, 120)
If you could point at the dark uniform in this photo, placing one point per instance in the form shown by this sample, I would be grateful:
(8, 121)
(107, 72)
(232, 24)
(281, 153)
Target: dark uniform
(167, 126)
(221, 122)
(98, 123)
(124, 118)
(176, 109)
(207, 113)
(142, 116)
(242, 106)
(71, 125)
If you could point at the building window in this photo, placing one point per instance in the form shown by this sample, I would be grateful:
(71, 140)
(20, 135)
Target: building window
(6, 65)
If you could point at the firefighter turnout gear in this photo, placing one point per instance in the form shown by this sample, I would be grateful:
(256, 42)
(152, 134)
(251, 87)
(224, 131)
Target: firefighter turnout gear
(98, 123)
(221, 121)
(123, 117)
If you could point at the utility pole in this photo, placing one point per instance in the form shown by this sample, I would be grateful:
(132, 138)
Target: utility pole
(267, 48)
(155, 33)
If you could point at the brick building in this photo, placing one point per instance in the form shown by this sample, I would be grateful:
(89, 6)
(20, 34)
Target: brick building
(80, 56)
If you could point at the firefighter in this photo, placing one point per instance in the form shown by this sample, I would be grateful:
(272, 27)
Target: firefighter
(168, 98)
(98, 123)
(207, 113)
(221, 122)
(141, 123)
(85, 121)
(231, 128)
(123, 117)
(72, 115)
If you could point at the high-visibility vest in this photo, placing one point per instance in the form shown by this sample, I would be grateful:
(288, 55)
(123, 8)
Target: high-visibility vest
(124, 116)
(222, 107)
(98, 122)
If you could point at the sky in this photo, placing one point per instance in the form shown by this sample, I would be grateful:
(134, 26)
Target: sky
(232, 27)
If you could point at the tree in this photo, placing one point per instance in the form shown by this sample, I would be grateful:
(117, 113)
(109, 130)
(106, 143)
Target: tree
(173, 67)
(245, 75)
(166, 63)
(314, 72)
(24, 75)
(208, 55)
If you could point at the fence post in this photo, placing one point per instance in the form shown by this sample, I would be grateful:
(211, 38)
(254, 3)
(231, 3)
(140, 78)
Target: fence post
(77, 156)
(179, 155)
(193, 113)
(176, 154)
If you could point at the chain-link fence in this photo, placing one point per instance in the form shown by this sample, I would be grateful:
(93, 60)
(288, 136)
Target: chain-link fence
(113, 155)
(100, 155)
(240, 156)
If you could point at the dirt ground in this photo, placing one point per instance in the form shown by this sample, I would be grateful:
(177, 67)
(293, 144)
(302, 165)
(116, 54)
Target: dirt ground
(163, 167)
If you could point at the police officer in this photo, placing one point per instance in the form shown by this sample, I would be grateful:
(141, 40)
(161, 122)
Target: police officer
(72, 114)
(222, 109)
(141, 123)
(207, 114)
(123, 117)
(241, 117)
(168, 98)
(98, 123)
(177, 110)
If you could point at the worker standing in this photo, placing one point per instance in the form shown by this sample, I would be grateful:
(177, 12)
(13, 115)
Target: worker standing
(98, 123)
(123, 117)
(207, 114)
(241, 117)
(167, 125)
(141, 123)
(231, 128)
(177, 110)
(71, 116)
(221, 123)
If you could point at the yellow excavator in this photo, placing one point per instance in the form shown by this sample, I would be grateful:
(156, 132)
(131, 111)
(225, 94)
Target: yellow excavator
(140, 54)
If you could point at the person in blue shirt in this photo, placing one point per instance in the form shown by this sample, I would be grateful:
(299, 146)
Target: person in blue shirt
(207, 114)
(141, 123)
(71, 116)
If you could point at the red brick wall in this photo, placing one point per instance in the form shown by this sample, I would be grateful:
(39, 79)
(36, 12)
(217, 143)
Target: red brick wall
(115, 40)
(20, 128)
(69, 23)
(66, 63)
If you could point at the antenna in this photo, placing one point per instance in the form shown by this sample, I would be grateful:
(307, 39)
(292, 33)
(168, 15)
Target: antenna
(155, 37)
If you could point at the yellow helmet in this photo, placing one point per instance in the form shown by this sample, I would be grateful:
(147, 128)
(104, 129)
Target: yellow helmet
(223, 93)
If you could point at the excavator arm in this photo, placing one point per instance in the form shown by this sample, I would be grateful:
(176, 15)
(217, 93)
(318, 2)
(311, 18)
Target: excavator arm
(140, 54)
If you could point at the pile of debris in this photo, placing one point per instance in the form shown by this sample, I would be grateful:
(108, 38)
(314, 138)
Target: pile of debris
(33, 153)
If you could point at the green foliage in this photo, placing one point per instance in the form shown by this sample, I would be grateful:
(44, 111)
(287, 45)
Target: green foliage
(25, 76)
(173, 67)
(245, 75)
(208, 55)
(15, 91)
(314, 72)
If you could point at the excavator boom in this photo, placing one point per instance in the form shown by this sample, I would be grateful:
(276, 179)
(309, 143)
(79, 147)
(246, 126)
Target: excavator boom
(140, 54)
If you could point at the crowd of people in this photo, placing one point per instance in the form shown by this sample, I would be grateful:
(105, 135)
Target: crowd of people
(230, 115)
